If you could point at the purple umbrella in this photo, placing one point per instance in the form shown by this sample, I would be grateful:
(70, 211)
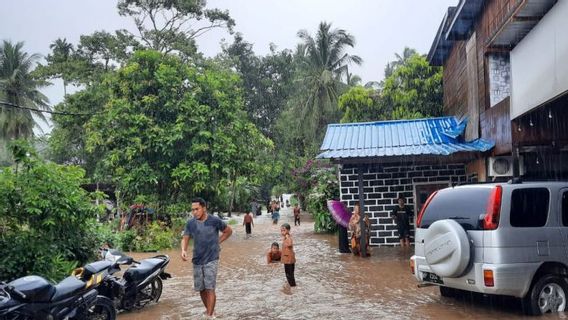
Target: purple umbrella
(339, 213)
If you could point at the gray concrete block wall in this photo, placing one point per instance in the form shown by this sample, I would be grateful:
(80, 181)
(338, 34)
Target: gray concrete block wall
(383, 184)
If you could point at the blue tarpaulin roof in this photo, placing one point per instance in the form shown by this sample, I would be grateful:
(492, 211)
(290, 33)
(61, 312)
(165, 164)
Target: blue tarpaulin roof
(432, 136)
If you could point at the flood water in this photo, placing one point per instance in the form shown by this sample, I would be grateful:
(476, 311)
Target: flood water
(330, 285)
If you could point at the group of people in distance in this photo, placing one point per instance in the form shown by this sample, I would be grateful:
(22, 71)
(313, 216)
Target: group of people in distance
(401, 213)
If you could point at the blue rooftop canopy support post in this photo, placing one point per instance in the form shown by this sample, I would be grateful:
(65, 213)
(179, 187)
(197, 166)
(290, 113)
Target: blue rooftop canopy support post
(363, 239)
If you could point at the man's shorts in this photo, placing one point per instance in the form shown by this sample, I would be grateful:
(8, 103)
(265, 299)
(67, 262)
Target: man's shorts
(403, 232)
(205, 276)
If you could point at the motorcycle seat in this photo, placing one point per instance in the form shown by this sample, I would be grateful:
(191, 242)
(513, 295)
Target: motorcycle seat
(94, 268)
(36, 288)
(144, 269)
(67, 288)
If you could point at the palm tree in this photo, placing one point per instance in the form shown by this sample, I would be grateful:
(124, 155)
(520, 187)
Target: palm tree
(323, 64)
(62, 51)
(400, 60)
(19, 88)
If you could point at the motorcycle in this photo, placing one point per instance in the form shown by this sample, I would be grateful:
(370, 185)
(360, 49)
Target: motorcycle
(140, 284)
(33, 297)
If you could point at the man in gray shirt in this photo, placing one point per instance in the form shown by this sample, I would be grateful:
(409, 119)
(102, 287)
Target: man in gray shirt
(204, 229)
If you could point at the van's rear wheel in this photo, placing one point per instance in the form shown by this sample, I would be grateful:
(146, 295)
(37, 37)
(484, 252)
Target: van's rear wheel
(547, 295)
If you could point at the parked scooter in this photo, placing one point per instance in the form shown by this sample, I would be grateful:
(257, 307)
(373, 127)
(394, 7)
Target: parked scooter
(141, 282)
(33, 297)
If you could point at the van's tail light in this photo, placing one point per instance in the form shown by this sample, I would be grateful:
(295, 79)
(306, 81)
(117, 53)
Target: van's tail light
(412, 266)
(488, 278)
(491, 219)
(419, 218)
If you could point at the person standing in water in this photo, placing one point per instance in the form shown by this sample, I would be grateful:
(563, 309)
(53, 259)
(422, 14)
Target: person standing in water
(401, 214)
(275, 212)
(288, 255)
(248, 223)
(204, 229)
(355, 228)
(297, 212)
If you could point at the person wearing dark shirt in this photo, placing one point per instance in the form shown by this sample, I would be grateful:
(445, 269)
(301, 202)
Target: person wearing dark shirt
(401, 214)
(204, 229)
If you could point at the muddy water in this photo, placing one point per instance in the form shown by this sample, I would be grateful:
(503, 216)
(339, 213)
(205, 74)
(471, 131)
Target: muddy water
(330, 285)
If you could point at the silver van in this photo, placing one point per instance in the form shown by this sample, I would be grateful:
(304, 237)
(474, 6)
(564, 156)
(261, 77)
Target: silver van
(502, 239)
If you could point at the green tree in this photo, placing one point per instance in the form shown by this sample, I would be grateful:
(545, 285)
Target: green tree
(172, 130)
(353, 79)
(46, 218)
(360, 104)
(67, 140)
(267, 81)
(316, 182)
(170, 25)
(323, 62)
(413, 90)
(19, 87)
(400, 60)
(105, 51)
(62, 52)
(95, 55)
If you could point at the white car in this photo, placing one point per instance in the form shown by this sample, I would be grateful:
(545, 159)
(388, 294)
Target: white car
(502, 239)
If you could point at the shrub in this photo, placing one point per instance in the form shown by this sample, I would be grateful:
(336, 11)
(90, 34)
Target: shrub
(154, 237)
(46, 218)
(126, 240)
(324, 187)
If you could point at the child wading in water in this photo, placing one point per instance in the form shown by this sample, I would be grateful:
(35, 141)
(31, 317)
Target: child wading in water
(248, 223)
(288, 255)
(274, 255)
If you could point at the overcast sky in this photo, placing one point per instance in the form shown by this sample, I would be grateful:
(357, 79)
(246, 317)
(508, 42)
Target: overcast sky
(381, 27)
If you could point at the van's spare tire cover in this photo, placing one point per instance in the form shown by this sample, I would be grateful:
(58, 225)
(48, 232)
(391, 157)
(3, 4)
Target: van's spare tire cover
(446, 248)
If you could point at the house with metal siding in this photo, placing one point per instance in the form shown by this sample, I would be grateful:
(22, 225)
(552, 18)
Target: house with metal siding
(504, 68)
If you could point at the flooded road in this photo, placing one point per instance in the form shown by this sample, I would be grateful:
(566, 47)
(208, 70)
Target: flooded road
(330, 285)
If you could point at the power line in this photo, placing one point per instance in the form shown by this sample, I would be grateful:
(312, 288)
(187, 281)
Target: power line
(11, 105)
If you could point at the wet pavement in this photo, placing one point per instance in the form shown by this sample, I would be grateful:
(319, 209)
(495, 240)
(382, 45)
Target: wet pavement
(330, 285)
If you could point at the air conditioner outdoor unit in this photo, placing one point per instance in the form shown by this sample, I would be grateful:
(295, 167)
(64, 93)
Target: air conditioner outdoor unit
(503, 166)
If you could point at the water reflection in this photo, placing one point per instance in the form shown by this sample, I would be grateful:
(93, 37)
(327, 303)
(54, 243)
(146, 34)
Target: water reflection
(330, 285)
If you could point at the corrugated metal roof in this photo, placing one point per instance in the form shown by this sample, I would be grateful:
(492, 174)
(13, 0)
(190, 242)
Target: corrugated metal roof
(433, 136)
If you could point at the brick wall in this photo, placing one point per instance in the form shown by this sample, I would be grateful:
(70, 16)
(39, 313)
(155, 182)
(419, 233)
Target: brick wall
(382, 184)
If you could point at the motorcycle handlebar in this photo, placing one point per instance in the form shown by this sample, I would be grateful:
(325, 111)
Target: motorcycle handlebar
(11, 289)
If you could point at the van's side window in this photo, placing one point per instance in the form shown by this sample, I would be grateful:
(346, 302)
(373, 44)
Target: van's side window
(565, 208)
(529, 207)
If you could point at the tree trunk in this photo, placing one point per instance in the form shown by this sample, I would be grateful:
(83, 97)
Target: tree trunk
(97, 203)
(232, 198)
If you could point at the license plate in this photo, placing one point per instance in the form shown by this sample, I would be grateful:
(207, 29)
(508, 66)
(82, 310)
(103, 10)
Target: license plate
(431, 277)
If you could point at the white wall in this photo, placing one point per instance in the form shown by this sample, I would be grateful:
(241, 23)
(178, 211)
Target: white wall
(539, 63)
